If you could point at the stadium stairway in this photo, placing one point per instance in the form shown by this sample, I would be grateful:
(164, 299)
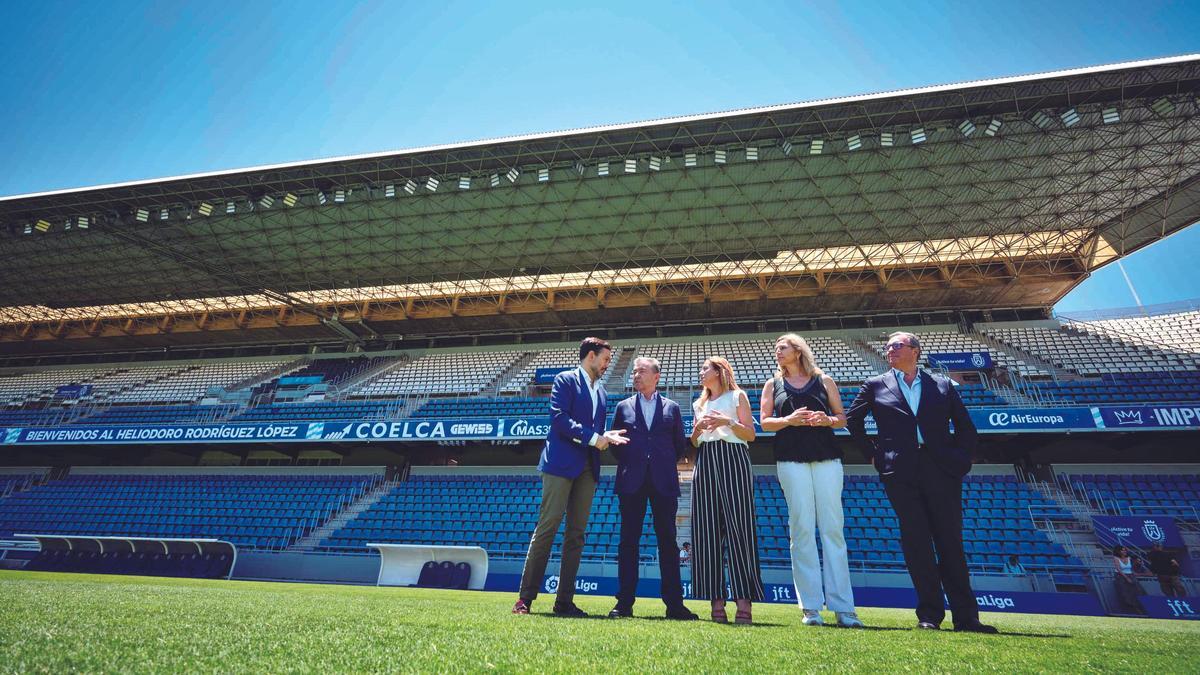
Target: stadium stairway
(1068, 523)
(310, 541)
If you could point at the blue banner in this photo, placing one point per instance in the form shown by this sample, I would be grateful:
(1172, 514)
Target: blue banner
(73, 391)
(1139, 531)
(1079, 604)
(300, 380)
(1158, 416)
(1161, 607)
(1032, 419)
(547, 375)
(987, 420)
(960, 360)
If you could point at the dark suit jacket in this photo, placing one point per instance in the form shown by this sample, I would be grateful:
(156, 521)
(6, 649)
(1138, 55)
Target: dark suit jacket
(654, 450)
(572, 423)
(895, 446)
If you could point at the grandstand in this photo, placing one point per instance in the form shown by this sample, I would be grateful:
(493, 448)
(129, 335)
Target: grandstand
(378, 329)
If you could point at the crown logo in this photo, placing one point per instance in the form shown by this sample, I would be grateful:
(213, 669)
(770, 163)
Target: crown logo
(1128, 416)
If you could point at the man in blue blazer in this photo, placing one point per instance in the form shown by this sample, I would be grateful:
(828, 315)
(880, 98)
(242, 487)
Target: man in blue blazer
(570, 467)
(922, 463)
(646, 473)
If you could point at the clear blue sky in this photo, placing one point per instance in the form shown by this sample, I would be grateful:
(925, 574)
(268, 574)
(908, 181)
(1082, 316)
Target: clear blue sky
(98, 92)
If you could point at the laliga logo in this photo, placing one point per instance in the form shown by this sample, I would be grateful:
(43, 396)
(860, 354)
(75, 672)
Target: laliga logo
(996, 601)
(552, 583)
(998, 419)
(977, 360)
(581, 586)
(1153, 531)
(1128, 416)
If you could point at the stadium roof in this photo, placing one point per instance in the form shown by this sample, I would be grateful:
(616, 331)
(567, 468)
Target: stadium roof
(997, 193)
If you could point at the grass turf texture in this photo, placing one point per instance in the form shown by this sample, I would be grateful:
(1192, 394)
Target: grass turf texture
(72, 622)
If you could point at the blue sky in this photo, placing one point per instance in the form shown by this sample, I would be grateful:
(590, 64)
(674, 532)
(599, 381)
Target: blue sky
(99, 92)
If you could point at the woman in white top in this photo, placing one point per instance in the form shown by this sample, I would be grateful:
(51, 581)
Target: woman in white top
(1125, 580)
(723, 494)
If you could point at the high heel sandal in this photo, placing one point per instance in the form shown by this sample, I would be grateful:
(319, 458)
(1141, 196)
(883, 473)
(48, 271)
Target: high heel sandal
(719, 615)
(743, 616)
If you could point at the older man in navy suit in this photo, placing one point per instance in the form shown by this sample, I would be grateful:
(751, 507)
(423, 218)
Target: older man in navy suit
(646, 473)
(570, 467)
(922, 463)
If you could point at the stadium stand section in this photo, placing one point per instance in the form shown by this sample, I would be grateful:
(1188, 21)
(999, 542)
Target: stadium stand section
(251, 510)
(1175, 495)
(453, 373)
(191, 383)
(1090, 355)
(498, 512)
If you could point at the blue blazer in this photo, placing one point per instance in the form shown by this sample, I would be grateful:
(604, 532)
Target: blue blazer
(572, 423)
(895, 446)
(653, 450)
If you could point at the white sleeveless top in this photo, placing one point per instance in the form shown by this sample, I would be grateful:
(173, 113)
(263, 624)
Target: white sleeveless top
(725, 403)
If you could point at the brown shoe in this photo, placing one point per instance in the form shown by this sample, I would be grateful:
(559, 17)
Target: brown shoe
(743, 617)
(522, 606)
(719, 615)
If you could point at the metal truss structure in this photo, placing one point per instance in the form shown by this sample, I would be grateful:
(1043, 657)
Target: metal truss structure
(1004, 193)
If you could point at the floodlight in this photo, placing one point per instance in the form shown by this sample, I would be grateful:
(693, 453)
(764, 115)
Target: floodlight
(917, 135)
(1041, 119)
(494, 180)
(967, 127)
(580, 168)
(42, 226)
(992, 127)
(543, 174)
(266, 201)
(689, 159)
(339, 196)
(464, 182)
(854, 142)
(142, 215)
(164, 214)
(410, 186)
(719, 156)
(631, 166)
(432, 183)
(1070, 117)
(602, 169)
(67, 224)
(817, 146)
(655, 163)
(82, 222)
(752, 154)
(886, 139)
(206, 209)
(1111, 115)
(230, 207)
(28, 228)
(787, 147)
(512, 174)
(290, 199)
(322, 199)
(1163, 106)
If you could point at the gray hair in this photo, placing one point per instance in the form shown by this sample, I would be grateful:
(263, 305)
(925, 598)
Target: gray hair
(651, 360)
(908, 337)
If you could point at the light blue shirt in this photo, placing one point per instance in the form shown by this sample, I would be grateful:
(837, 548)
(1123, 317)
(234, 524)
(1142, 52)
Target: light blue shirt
(912, 394)
(648, 406)
(593, 389)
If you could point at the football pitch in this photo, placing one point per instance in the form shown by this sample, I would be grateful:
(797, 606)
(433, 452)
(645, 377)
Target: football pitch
(72, 622)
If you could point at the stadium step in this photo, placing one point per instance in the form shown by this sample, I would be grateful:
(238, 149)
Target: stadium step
(339, 520)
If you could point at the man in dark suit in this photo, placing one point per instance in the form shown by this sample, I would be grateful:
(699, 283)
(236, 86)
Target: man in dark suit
(922, 464)
(570, 466)
(646, 473)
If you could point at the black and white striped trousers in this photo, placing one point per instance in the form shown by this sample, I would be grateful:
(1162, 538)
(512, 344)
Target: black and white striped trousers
(723, 516)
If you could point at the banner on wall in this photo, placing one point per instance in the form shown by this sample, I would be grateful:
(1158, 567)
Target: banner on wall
(1139, 531)
(987, 420)
(961, 360)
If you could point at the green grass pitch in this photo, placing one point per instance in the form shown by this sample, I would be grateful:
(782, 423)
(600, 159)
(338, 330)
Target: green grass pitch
(91, 623)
